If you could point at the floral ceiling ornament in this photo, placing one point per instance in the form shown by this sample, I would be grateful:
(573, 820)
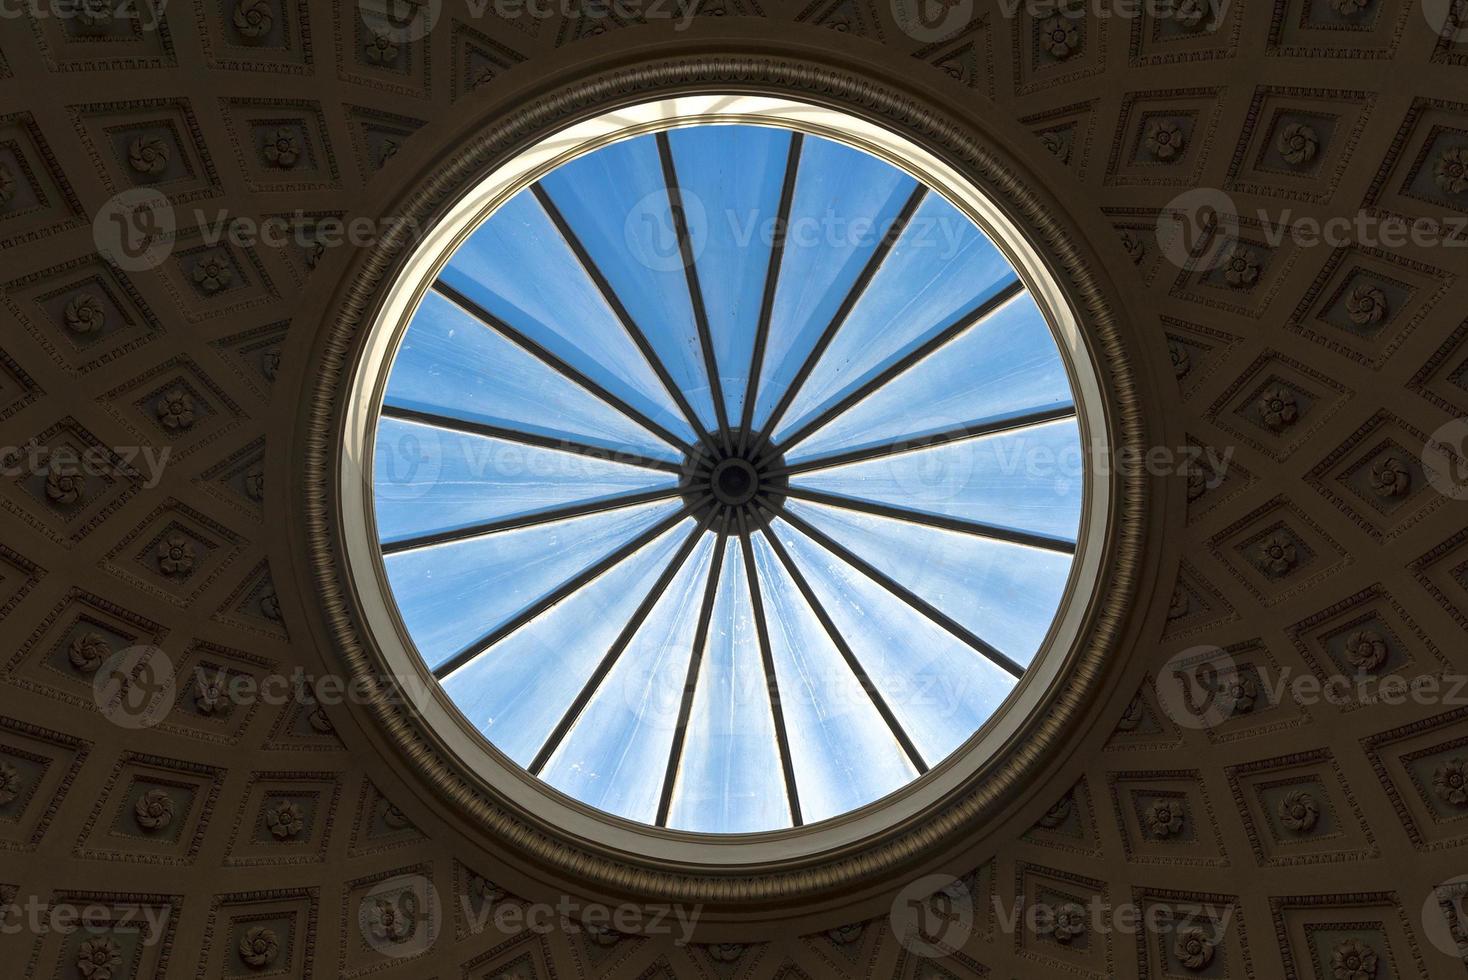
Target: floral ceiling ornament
(1278, 554)
(92, 15)
(381, 50)
(209, 693)
(270, 363)
(1353, 960)
(1277, 408)
(1064, 924)
(1179, 605)
(1298, 143)
(1190, 14)
(84, 313)
(395, 818)
(1134, 247)
(482, 890)
(88, 651)
(1243, 693)
(1058, 813)
(726, 952)
(1298, 811)
(255, 482)
(1132, 716)
(1182, 361)
(1194, 947)
(1057, 144)
(282, 149)
(1241, 267)
(254, 19)
(283, 819)
(390, 147)
(319, 722)
(392, 918)
(1164, 818)
(154, 810)
(1450, 782)
(1165, 139)
(64, 484)
(1366, 305)
(8, 185)
(212, 275)
(604, 936)
(9, 783)
(270, 606)
(1197, 481)
(482, 75)
(1451, 172)
(1060, 35)
(149, 155)
(1366, 650)
(845, 935)
(176, 409)
(97, 958)
(1390, 476)
(176, 556)
(258, 947)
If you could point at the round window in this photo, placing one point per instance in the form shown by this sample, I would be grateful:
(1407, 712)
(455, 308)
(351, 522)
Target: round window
(721, 464)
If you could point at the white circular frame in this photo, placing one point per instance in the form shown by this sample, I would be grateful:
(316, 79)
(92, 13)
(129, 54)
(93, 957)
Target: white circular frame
(411, 678)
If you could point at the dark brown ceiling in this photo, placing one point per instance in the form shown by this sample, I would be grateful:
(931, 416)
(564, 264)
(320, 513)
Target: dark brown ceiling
(1314, 830)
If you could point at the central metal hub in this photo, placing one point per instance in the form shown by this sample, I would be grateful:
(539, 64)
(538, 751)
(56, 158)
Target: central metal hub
(735, 481)
(738, 478)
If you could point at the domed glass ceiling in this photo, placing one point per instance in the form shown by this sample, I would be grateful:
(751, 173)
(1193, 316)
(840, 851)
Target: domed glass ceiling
(728, 479)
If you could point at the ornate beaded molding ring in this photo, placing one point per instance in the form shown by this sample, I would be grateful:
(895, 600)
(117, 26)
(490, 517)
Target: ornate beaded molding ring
(714, 477)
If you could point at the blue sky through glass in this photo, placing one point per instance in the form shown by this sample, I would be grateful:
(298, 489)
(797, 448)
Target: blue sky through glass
(672, 618)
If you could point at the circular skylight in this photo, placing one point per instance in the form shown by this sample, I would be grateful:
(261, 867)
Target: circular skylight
(726, 477)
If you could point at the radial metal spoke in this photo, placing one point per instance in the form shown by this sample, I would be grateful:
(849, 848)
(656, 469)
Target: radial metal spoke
(516, 522)
(690, 684)
(772, 680)
(604, 286)
(555, 363)
(695, 291)
(996, 532)
(594, 682)
(772, 280)
(868, 272)
(562, 591)
(966, 321)
(987, 427)
(901, 592)
(903, 739)
(448, 422)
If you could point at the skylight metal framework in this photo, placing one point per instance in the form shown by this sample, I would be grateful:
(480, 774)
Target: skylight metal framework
(741, 479)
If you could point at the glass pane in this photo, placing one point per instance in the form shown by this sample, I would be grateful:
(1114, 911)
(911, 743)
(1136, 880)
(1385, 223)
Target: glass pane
(731, 780)
(451, 364)
(517, 692)
(940, 689)
(941, 268)
(1006, 594)
(519, 268)
(616, 201)
(844, 754)
(1007, 363)
(428, 479)
(845, 201)
(1030, 479)
(450, 595)
(616, 756)
(735, 173)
